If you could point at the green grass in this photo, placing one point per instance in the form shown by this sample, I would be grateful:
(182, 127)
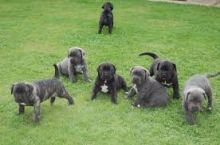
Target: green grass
(36, 34)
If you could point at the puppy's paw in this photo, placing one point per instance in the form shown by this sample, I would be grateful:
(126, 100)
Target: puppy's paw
(209, 108)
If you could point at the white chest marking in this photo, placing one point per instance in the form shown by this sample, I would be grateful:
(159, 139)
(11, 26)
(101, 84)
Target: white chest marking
(79, 68)
(104, 88)
(135, 88)
(166, 84)
(22, 104)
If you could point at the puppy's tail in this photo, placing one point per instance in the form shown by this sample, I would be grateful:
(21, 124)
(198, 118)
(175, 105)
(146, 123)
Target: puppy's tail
(56, 74)
(150, 54)
(212, 75)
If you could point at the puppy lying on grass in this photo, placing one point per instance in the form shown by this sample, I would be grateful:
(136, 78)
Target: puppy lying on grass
(150, 93)
(196, 90)
(32, 94)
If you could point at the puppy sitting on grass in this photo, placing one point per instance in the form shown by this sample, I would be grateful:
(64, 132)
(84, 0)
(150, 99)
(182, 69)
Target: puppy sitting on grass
(32, 94)
(74, 63)
(108, 81)
(150, 93)
(196, 90)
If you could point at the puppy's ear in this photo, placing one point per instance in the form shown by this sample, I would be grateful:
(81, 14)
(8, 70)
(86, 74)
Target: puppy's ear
(12, 88)
(98, 70)
(30, 88)
(158, 66)
(82, 52)
(186, 102)
(174, 66)
(114, 69)
(103, 5)
(111, 6)
(147, 74)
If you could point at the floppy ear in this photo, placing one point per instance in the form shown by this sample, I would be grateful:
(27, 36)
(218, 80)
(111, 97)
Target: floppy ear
(111, 6)
(98, 70)
(146, 74)
(30, 88)
(12, 88)
(174, 66)
(158, 65)
(103, 5)
(186, 101)
(114, 68)
(82, 52)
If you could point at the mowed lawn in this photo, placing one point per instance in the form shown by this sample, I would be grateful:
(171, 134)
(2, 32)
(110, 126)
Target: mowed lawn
(36, 34)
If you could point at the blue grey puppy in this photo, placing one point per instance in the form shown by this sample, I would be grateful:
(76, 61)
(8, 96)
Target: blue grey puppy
(150, 93)
(32, 94)
(196, 90)
(74, 63)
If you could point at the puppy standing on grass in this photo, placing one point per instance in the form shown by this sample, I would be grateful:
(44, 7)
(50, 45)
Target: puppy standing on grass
(165, 72)
(197, 88)
(106, 18)
(150, 93)
(32, 94)
(73, 64)
(108, 81)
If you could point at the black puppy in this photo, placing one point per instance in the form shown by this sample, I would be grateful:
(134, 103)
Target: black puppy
(108, 82)
(165, 72)
(106, 18)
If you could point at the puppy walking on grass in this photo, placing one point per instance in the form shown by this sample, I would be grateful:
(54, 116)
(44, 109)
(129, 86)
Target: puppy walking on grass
(196, 90)
(32, 94)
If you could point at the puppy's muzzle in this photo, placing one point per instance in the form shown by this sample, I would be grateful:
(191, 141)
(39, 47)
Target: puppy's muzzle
(136, 80)
(195, 109)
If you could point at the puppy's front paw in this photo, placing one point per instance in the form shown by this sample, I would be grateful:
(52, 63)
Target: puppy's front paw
(209, 108)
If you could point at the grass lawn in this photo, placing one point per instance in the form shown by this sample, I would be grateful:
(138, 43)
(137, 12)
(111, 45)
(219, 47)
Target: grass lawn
(36, 34)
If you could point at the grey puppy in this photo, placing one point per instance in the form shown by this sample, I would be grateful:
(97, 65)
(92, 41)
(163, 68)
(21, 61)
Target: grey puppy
(165, 72)
(74, 63)
(150, 93)
(197, 88)
(32, 94)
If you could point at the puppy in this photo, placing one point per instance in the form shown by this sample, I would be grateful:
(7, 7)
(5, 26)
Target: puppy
(165, 72)
(106, 18)
(197, 88)
(73, 64)
(108, 81)
(150, 93)
(32, 94)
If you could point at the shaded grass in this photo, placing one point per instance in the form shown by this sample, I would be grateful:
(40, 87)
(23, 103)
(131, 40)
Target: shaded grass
(36, 34)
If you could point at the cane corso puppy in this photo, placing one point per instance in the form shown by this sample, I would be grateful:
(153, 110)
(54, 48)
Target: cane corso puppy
(106, 18)
(196, 90)
(74, 63)
(165, 72)
(32, 94)
(150, 93)
(108, 81)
